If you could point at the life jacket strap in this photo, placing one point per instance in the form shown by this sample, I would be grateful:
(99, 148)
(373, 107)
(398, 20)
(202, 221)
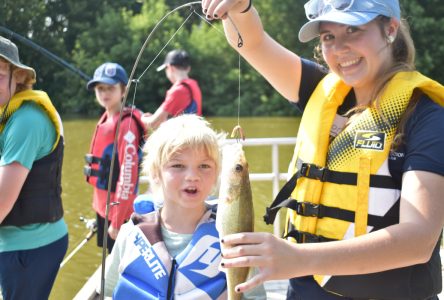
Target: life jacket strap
(305, 237)
(88, 171)
(322, 174)
(307, 209)
(90, 159)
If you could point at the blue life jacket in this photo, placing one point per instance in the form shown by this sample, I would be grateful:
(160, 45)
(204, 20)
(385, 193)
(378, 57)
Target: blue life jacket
(145, 203)
(147, 270)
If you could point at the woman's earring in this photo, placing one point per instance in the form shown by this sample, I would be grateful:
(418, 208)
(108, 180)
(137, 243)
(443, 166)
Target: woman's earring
(390, 39)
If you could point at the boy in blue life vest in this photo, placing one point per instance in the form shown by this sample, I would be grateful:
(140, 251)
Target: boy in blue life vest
(109, 84)
(174, 251)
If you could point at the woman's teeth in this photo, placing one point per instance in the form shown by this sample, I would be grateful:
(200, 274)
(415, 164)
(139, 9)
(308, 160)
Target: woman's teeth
(350, 63)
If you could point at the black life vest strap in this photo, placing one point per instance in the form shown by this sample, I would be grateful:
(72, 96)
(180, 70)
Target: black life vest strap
(90, 172)
(320, 211)
(309, 238)
(90, 159)
(323, 174)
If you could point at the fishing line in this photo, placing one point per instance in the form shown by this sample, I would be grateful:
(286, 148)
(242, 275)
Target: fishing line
(165, 45)
(239, 44)
(238, 105)
(223, 32)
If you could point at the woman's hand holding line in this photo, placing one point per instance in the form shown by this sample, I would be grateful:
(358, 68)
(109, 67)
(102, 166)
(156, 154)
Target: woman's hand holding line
(217, 9)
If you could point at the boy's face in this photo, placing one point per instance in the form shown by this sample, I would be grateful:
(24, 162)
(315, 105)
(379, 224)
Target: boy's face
(187, 179)
(109, 96)
(4, 84)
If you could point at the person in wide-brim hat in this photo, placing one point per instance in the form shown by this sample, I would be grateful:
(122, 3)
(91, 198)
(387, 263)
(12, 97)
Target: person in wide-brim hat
(33, 233)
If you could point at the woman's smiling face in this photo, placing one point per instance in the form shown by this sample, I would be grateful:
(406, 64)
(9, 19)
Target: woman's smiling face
(357, 54)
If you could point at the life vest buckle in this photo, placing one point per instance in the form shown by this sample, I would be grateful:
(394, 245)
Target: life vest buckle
(313, 171)
(87, 171)
(89, 158)
(311, 210)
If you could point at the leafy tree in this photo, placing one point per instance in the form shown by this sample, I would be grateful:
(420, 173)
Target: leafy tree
(89, 33)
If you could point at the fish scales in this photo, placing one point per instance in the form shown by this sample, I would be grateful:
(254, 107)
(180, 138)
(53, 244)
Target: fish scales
(235, 211)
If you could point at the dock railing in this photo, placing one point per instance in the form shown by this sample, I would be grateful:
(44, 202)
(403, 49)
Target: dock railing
(274, 176)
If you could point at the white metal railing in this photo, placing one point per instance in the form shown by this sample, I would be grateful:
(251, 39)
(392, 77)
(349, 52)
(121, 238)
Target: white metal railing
(274, 176)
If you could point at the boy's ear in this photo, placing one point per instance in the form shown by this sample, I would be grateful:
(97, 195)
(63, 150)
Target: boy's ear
(123, 91)
(188, 69)
(155, 178)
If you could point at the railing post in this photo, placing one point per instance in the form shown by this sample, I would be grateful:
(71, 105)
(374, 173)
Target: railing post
(275, 170)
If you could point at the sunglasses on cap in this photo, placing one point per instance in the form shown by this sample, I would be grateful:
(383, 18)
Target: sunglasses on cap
(317, 8)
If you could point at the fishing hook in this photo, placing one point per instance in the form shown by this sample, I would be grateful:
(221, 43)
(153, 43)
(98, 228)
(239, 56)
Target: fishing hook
(105, 235)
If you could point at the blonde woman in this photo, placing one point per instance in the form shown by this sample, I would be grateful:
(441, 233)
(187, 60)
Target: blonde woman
(33, 233)
(366, 209)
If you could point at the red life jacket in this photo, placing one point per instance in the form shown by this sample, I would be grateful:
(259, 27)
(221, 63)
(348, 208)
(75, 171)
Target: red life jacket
(100, 154)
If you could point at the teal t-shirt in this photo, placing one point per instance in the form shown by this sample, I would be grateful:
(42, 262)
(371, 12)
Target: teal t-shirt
(29, 135)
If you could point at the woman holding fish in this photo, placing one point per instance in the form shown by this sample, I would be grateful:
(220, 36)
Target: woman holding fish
(366, 210)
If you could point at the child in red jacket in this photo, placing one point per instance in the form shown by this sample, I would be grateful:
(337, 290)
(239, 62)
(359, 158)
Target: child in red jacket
(109, 84)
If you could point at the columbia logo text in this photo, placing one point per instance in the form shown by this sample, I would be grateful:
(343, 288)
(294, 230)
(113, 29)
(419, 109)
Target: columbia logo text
(130, 153)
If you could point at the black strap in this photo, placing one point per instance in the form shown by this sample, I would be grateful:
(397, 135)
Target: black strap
(323, 174)
(90, 159)
(309, 238)
(88, 171)
(139, 125)
(191, 91)
(376, 181)
(320, 211)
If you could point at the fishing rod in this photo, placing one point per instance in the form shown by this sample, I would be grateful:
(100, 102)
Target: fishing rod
(91, 225)
(136, 81)
(45, 52)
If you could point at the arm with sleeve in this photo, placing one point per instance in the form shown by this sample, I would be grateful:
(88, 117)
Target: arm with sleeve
(28, 136)
(311, 74)
(128, 147)
(424, 142)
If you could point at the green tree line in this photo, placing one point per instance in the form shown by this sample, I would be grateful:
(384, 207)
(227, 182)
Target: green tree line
(89, 33)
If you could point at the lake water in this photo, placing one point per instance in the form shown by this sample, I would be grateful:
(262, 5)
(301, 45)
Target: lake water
(77, 194)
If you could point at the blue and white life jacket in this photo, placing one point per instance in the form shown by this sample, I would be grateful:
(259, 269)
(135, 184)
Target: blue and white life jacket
(148, 271)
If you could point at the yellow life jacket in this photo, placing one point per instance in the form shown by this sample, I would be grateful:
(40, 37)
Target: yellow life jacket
(42, 99)
(39, 200)
(344, 190)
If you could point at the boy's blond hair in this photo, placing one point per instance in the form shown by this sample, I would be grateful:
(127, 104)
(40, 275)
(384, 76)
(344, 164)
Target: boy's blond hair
(26, 79)
(185, 131)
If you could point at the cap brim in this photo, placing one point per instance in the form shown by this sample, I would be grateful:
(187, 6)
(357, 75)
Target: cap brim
(311, 29)
(110, 81)
(161, 67)
(21, 66)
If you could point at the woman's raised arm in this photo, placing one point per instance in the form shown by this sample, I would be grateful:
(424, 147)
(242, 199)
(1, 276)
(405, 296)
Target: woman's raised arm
(281, 67)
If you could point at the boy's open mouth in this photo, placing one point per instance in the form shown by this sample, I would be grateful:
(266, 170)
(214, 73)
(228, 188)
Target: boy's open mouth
(191, 190)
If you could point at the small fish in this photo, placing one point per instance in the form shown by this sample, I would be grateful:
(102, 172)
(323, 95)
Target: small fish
(235, 207)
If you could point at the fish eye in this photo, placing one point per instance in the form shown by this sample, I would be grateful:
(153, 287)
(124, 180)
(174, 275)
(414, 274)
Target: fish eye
(238, 168)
